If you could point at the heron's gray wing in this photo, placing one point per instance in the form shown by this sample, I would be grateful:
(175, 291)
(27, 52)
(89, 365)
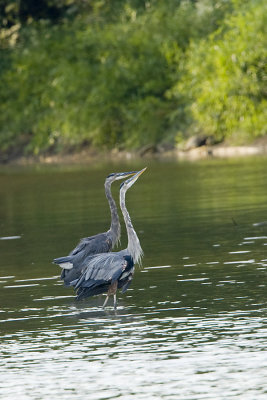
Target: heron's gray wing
(73, 264)
(96, 244)
(100, 243)
(106, 267)
(101, 271)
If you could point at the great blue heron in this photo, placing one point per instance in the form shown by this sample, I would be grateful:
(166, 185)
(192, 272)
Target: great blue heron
(100, 243)
(107, 272)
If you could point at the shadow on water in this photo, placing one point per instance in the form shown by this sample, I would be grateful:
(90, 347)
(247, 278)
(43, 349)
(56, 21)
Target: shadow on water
(191, 326)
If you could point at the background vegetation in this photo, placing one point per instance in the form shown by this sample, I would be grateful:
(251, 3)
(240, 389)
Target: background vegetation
(129, 73)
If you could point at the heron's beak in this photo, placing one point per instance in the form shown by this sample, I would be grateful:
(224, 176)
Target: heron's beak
(123, 175)
(134, 178)
(140, 172)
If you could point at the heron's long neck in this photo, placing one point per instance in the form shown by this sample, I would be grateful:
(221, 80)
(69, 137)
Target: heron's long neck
(134, 246)
(115, 227)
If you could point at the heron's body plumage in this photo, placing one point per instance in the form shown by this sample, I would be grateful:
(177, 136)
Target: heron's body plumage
(72, 264)
(90, 267)
(100, 272)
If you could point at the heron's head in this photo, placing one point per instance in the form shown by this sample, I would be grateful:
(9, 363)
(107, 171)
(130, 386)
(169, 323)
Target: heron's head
(118, 175)
(129, 182)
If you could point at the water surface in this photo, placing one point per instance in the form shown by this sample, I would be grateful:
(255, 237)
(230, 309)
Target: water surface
(193, 323)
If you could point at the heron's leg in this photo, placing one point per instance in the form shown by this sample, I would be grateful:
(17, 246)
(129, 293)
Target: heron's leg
(115, 301)
(112, 291)
(105, 302)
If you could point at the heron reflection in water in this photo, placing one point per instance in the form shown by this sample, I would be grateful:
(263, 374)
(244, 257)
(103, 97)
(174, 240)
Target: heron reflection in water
(107, 272)
(100, 243)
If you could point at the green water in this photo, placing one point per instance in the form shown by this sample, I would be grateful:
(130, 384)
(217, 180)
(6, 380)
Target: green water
(192, 324)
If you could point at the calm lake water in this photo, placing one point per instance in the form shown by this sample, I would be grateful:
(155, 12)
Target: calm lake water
(192, 325)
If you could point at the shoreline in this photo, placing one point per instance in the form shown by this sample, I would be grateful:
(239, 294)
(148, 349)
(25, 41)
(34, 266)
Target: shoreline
(223, 151)
(89, 155)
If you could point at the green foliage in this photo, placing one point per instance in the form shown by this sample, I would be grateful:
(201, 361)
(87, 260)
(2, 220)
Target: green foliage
(125, 74)
(225, 77)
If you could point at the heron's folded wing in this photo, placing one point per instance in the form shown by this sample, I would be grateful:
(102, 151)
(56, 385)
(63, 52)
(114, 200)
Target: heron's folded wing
(96, 244)
(102, 267)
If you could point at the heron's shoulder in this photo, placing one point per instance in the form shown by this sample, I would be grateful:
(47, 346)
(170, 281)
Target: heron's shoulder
(98, 236)
(93, 244)
(106, 257)
(104, 261)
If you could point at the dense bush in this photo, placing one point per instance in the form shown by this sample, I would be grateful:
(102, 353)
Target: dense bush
(225, 77)
(134, 73)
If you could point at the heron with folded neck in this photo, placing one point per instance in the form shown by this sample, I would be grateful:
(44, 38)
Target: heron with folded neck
(100, 243)
(107, 272)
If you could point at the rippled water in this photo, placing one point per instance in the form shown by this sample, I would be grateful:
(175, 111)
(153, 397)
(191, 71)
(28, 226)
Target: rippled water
(193, 323)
